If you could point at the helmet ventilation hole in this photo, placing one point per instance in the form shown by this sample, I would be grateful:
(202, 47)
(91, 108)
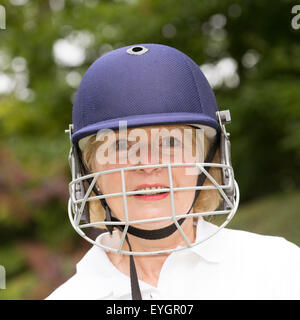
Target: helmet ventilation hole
(137, 50)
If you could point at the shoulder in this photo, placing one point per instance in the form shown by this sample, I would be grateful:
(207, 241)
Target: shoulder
(261, 243)
(90, 281)
(272, 255)
(68, 290)
(239, 243)
(268, 266)
(81, 287)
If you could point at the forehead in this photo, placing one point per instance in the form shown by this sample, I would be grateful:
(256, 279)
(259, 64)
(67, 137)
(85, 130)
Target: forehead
(148, 129)
(143, 131)
(180, 132)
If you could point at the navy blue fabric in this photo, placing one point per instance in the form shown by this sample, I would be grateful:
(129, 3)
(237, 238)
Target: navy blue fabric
(162, 85)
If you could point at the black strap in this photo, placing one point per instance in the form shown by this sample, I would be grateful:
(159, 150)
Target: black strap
(134, 281)
(150, 234)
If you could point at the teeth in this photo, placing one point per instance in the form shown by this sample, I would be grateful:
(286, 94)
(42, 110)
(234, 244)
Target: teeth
(152, 188)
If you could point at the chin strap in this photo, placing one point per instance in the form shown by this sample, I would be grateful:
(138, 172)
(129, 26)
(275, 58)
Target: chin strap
(154, 234)
(134, 281)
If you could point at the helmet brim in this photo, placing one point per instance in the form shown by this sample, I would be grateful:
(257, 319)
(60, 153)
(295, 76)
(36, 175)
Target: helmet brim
(211, 125)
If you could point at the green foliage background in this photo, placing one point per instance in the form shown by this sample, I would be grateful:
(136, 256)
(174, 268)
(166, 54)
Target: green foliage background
(38, 247)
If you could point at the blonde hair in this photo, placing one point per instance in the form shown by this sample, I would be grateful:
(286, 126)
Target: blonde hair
(208, 200)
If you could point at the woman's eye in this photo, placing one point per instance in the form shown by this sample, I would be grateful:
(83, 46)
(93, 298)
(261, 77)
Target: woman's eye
(171, 142)
(121, 145)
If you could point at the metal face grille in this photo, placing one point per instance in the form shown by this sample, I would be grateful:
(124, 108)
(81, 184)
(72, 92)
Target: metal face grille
(79, 199)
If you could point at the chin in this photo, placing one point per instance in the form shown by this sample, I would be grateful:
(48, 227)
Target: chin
(154, 225)
(152, 213)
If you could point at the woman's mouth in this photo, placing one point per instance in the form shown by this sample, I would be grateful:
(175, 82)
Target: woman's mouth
(151, 192)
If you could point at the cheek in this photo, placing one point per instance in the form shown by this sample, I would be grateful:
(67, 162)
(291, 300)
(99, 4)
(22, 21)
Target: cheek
(184, 177)
(183, 199)
(110, 182)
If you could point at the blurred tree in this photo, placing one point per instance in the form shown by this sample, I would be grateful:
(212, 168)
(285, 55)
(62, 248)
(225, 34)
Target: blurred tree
(48, 45)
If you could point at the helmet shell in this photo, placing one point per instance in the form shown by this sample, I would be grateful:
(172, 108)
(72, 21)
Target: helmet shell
(142, 84)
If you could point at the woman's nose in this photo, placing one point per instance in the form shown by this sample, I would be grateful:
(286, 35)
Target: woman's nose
(151, 170)
(150, 157)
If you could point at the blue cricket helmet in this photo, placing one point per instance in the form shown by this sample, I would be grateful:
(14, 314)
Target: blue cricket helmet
(146, 84)
(143, 84)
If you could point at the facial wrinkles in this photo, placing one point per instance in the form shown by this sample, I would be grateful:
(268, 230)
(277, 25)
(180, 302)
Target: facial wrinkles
(112, 183)
(147, 146)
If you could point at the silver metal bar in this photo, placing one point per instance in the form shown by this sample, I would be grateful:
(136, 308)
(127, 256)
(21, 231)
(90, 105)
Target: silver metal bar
(194, 164)
(173, 207)
(125, 211)
(190, 215)
(129, 193)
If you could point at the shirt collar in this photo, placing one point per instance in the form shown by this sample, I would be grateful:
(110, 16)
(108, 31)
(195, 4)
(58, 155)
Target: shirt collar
(96, 265)
(211, 247)
(92, 270)
(211, 241)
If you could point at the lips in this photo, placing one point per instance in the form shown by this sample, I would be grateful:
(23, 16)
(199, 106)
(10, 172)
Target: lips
(155, 194)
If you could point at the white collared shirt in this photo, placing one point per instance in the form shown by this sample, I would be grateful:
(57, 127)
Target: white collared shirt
(230, 265)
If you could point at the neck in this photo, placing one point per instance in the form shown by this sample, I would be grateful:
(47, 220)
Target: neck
(149, 267)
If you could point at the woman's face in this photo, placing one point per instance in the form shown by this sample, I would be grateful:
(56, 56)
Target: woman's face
(147, 146)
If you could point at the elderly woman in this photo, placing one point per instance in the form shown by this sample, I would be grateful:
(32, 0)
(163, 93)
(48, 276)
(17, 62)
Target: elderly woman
(151, 169)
